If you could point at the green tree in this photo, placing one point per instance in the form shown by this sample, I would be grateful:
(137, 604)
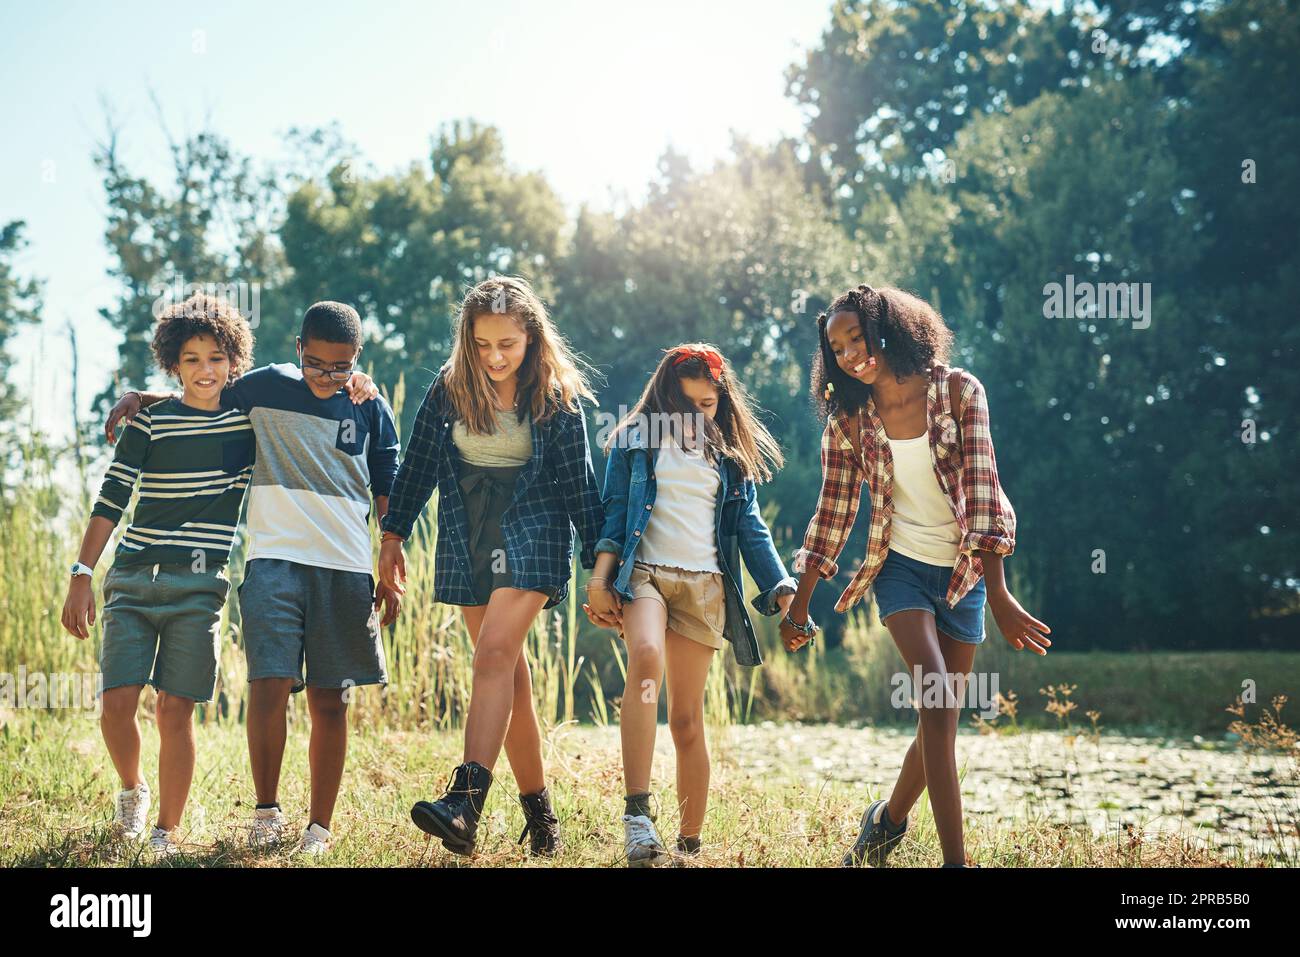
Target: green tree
(890, 85)
(214, 223)
(404, 247)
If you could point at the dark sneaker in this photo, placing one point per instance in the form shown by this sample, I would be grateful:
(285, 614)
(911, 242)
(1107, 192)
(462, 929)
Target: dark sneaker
(876, 840)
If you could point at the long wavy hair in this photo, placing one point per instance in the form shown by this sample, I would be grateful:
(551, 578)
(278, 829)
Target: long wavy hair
(907, 328)
(550, 377)
(734, 432)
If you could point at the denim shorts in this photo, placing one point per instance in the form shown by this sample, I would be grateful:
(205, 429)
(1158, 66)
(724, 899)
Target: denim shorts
(295, 615)
(904, 584)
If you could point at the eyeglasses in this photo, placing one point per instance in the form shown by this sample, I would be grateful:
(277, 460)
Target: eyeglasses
(334, 375)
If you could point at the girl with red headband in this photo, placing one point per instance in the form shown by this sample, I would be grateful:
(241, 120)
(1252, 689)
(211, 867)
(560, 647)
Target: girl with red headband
(917, 433)
(680, 512)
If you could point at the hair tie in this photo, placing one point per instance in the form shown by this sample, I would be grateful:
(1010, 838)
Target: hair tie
(711, 358)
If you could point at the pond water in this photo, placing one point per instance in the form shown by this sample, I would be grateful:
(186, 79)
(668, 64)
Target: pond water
(1218, 792)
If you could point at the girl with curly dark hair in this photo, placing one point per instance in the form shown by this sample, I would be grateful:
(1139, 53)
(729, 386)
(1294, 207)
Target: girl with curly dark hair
(917, 433)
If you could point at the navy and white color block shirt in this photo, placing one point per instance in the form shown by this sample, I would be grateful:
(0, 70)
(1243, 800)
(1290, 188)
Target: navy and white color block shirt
(555, 493)
(319, 461)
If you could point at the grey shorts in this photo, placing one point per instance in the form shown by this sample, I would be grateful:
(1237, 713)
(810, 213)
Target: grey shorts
(294, 614)
(162, 626)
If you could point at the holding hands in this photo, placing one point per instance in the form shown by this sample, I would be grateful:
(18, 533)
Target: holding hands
(797, 626)
(603, 606)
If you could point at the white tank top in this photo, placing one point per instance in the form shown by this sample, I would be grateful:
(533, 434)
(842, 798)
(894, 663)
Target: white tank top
(923, 526)
(680, 532)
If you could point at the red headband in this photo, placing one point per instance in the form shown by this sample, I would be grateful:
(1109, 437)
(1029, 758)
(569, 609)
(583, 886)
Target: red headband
(711, 357)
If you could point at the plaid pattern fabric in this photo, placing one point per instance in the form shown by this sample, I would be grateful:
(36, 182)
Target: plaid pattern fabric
(968, 475)
(556, 491)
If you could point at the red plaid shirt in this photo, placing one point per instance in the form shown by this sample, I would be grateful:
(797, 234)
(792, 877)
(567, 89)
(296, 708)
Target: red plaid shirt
(967, 474)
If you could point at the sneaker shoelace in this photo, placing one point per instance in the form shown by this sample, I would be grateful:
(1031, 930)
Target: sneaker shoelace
(643, 834)
(266, 828)
(128, 805)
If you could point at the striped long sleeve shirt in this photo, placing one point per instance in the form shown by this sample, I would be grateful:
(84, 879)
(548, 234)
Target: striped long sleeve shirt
(192, 467)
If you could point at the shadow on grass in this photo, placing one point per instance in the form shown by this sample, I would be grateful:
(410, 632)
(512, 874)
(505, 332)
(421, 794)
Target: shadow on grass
(98, 847)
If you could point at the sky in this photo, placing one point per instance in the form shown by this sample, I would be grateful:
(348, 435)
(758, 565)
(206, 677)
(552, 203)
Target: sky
(590, 94)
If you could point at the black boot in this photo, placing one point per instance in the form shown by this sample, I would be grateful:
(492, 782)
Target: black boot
(540, 823)
(454, 816)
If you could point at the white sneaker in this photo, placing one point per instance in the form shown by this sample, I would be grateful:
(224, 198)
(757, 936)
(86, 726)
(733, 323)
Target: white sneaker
(161, 843)
(315, 841)
(641, 843)
(132, 812)
(267, 829)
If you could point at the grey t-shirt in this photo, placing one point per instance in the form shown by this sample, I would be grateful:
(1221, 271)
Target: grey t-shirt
(510, 445)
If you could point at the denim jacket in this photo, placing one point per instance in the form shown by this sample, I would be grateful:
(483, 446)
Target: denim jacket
(739, 530)
(554, 494)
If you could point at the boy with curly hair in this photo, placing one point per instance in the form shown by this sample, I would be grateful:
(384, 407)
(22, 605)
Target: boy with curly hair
(326, 456)
(164, 593)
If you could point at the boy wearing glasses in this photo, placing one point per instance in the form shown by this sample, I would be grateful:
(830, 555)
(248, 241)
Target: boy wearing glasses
(309, 595)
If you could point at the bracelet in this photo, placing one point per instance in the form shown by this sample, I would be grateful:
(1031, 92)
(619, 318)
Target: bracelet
(807, 629)
(391, 537)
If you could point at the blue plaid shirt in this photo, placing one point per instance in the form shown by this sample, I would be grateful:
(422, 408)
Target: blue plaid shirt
(555, 492)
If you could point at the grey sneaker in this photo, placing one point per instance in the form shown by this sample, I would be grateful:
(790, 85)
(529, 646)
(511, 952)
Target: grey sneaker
(131, 812)
(268, 828)
(161, 843)
(876, 840)
(641, 844)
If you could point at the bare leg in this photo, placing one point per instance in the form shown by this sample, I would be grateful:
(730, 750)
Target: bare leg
(645, 622)
(524, 734)
(959, 658)
(688, 670)
(267, 729)
(122, 732)
(917, 640)
(175, 757)
(510, 613)
(327, 751)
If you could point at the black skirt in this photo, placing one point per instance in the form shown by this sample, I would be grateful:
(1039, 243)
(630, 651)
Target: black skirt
(487, 492)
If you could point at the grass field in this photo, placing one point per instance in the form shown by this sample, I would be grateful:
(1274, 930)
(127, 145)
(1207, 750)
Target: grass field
(782, 795)
(1136, 763)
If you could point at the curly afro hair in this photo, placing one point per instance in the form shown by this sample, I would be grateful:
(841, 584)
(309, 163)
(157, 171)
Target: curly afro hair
(909, 330)
(203, 315)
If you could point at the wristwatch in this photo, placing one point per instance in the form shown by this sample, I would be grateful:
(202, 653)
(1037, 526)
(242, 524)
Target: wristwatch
(80, 569)
(807, 629)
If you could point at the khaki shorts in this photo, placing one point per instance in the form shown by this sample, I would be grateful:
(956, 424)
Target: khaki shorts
(695, 600)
